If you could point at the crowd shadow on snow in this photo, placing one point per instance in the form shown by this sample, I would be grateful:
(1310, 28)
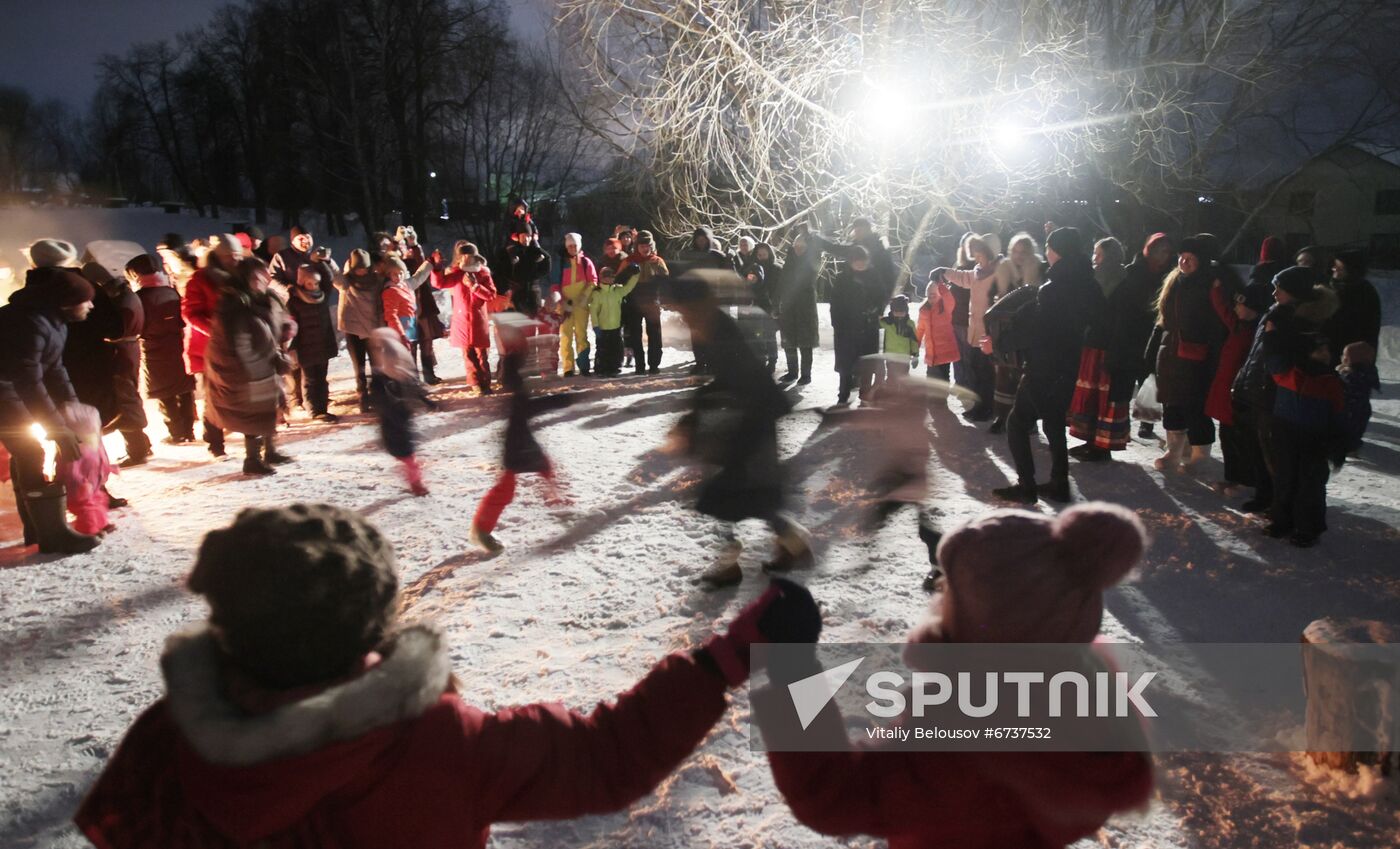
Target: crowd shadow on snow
(49, 642)
(1212, 576)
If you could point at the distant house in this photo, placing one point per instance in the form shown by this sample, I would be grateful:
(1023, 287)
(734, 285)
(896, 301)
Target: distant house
(1348, 196)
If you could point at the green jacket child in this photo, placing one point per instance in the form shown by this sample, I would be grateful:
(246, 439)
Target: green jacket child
(606, 306)
(899, 333)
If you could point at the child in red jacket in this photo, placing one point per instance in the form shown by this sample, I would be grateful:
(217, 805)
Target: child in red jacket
(301, 714)
(85, 477)
(1011, 577)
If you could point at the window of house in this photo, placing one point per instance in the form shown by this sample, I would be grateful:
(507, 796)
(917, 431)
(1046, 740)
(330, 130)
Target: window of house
(1301, 202)
(1385, 250)
(1388, 202)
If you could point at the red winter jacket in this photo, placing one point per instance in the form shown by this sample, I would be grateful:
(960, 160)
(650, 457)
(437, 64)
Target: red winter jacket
(385, 759)
(935, 326)
(1232, 356)
(201, 300)
(956, 800)
(472, 293)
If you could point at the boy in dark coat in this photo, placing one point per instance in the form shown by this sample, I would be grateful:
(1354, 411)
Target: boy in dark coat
(1309, 422)
(733, 424)
(162, 347)
(303, 714)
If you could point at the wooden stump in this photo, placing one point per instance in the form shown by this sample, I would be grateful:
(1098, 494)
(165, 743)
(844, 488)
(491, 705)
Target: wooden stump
(1352, 709)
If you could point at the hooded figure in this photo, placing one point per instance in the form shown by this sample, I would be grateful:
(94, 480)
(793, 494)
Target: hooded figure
(703, 252)
(1011, 577)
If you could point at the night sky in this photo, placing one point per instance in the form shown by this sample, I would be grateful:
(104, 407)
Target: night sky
(51, 47)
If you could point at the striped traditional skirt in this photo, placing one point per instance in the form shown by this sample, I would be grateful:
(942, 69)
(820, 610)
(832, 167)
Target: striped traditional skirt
(1099, 412)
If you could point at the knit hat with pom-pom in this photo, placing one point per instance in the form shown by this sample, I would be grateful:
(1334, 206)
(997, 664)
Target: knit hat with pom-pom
(297, 595)
(1020, 577)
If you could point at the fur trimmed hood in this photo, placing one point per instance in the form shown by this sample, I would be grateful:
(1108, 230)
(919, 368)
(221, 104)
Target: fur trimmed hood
(411, 677)
(1318, 309)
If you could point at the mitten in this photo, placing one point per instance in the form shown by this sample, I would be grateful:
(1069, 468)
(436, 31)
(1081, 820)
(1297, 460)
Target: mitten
(785, 613)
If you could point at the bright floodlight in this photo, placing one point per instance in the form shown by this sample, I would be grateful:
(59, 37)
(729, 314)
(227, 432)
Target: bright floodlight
(1009, 135)
(886, 114)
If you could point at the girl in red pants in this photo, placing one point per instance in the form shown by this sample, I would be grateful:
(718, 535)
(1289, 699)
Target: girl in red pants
(522, 453)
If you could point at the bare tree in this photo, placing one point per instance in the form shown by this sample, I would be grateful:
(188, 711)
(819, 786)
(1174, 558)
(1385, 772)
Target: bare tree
(760, 113)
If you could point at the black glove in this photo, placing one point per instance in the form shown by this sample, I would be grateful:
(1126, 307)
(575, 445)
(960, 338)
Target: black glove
(792, 617)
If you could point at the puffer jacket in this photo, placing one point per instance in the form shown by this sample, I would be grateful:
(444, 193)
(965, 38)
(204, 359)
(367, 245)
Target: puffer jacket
(241, 364)
(935, 326)
(33, 333)
(361, 302)
(162, 342)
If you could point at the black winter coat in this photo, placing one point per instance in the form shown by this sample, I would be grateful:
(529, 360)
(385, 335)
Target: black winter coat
(33, 338)
(522, 267)
(1358, 317)
(90, 359)
(797, 299)
(315, 341)
(737, 412)
(1254, 387)
(1054, 327)
(163, 342)
(1126, 322)
(858, 299)
(1192, 334)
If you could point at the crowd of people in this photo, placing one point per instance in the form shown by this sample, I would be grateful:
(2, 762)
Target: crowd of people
(1073, 341)
(305, 709)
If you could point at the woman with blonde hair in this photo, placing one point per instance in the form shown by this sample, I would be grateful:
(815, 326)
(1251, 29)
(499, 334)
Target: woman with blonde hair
(991, 271)
(1027, 268)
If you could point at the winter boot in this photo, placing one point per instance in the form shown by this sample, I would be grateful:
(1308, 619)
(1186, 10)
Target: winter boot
(998, 426)
(794, 548)
(46, 509)
(726, 571)
(430, 374)
(484, 540)
(1021, 493)
(253, 463)
(1146, 430)
(113, 502)
(1056, 489)
(1170, 461)
(271, 455)
(413, 474)
(930, 536)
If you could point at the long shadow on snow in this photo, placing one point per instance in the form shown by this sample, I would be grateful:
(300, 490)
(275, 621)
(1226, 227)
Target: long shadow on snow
(1265, 590)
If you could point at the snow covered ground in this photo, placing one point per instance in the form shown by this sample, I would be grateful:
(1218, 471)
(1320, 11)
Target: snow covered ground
(580, 605)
